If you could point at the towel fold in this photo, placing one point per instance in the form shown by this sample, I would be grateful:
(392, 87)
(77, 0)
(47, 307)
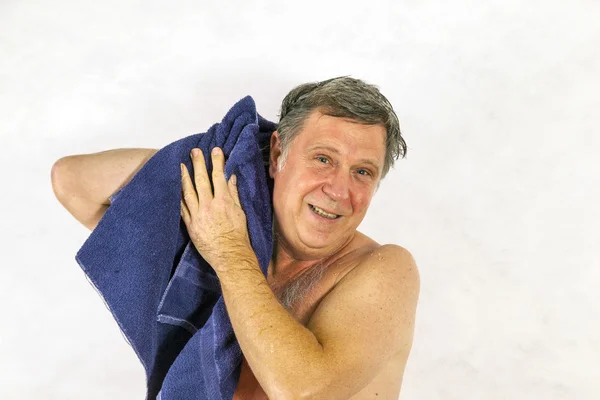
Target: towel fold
(166, 299)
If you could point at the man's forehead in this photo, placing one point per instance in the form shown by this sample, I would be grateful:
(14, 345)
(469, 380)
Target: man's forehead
(333, 131)
(321, 117)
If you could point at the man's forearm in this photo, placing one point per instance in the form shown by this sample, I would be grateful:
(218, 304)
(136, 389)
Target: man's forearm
(282, 353)
(82, 183)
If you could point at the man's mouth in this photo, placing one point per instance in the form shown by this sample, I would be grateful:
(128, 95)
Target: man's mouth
(323, 213)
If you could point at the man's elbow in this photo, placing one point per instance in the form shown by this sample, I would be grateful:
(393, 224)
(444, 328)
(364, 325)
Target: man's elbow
(317, 387)
(303, 385)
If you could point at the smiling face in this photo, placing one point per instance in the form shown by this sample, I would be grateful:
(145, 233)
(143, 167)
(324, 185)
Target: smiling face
(323, 191)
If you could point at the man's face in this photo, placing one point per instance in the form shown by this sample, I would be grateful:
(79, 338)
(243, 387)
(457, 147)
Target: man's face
(334, 165)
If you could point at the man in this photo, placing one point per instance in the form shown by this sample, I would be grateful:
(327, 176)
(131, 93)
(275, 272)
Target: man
(334, 318)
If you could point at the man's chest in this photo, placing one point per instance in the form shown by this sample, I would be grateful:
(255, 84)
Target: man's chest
(385, 385)
(302, 295)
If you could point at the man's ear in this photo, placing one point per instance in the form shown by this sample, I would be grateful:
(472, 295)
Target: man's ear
(274, 154)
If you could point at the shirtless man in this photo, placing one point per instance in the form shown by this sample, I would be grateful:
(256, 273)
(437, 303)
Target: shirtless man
(335, 317)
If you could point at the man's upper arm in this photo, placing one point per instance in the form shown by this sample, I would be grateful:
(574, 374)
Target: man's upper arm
(364, 320)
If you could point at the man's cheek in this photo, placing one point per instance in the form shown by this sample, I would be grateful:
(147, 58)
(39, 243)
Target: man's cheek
(360, 205)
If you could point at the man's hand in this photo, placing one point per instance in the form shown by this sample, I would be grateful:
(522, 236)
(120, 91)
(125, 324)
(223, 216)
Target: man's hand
(215, 221)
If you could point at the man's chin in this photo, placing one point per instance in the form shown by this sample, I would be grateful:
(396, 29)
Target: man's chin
(315, 241)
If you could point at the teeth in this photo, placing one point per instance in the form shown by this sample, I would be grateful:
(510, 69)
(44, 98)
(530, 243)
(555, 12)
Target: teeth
(323, 213)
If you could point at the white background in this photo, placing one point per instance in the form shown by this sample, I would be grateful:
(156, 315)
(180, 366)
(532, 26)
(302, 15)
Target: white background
(497, 199)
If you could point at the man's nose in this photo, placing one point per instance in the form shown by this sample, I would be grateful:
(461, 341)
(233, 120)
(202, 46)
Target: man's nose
(337, 186)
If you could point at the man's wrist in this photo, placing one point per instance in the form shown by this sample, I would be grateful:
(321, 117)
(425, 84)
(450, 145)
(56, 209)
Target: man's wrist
(243, 259)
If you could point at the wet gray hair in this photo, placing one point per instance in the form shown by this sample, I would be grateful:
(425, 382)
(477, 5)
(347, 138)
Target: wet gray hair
(343, 97)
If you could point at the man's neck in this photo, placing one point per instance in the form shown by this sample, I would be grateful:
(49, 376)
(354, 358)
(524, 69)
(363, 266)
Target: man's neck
(287, 262)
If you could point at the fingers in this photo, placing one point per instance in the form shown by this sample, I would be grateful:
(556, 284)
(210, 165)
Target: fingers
(189, 194)
(218, 174)
(233, 190)
(185, 213)
(201, 177)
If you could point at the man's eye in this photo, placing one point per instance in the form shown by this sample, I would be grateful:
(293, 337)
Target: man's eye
(364, 172)
(322, 158)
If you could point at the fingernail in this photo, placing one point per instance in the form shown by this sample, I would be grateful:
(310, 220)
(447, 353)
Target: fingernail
(195, 152)
(216, 151)
(234, 179)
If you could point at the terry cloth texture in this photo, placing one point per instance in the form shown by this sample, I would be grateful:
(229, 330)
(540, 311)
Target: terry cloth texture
(164, 296)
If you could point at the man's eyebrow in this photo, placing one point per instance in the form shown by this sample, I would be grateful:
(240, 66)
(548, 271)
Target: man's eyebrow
(334, 150)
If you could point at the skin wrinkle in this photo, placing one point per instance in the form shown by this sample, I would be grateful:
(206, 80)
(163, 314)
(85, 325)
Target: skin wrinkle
(347, 194)
(296, 289)
(304, 248)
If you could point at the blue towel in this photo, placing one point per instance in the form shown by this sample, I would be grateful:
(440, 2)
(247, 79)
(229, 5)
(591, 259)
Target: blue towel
(166, 299)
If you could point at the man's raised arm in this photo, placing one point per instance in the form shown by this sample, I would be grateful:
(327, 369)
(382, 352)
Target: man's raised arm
(84, 182)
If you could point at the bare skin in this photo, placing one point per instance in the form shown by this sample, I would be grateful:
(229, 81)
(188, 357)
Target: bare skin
(83, 184)
(387, 382)
(335, 164)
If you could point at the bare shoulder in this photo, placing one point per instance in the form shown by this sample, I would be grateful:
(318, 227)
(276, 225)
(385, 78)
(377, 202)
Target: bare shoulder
(389, 265)
(377, 298)
(391, 272)
(385, 262)
(395, 260)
